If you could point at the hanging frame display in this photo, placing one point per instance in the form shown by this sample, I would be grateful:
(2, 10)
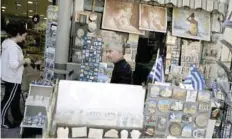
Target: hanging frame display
(121, 16)
(191, 24)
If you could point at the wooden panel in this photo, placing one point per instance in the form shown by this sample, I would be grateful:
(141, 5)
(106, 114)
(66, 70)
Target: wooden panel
(179, 3)
(210, 4)
(222, 8)
(161, 1)
(192, 4)
(204, 4)
(198, 4)
(186, 3)
(174, 2)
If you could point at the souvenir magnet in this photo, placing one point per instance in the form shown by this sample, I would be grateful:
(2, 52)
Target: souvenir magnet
(202, 119)
(179, 94)
(191, 96)
(204, 107)
(177, 106)
(151, 120)
(111, 133)
(151, 106)
(154, 92)
(175, 117)
(124, 134)
(163, 105)
(135, 134)
(199, 133)
(166, 92)
(175, 129)
(187, 131)
(162, 123)
(190, 108)
(149, 131)
(203, 96)
(187, 118)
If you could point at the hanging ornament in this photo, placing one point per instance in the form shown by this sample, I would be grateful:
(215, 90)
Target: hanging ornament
(36, 17)
(17, 4)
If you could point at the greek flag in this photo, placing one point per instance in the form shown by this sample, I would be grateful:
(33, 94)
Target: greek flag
(157, 72)
(195, 78)
(214, 86)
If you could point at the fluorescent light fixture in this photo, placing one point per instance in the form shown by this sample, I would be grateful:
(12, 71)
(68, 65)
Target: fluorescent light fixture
(3, 7)
(41, 15)
(45, 18)
(31, 11)
(3, 10)
(18, 4)
(30, 2)
(24, 13)
(30, 16)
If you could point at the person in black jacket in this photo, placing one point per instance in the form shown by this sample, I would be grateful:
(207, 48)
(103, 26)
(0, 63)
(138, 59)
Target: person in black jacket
(122, 73)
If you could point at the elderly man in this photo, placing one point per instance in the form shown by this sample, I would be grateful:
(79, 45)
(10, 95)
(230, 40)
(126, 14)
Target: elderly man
(122, 73)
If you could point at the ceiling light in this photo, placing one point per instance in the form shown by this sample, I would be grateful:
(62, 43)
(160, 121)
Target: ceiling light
(30, 2)
(31, 11)
(41, 15)
(18, 4)
(3, 7)
(30, 16)
(24, 13)
(3, 10)
(45, 18)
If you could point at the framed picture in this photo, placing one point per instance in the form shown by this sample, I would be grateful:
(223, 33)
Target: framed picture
(191, 24)
(121, 16)
(152, 18)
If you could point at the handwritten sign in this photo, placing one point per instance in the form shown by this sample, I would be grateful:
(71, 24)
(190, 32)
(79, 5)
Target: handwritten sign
(100, 104)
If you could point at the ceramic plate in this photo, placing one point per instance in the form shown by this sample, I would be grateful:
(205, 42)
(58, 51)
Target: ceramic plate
(175, 129)
(202, 119)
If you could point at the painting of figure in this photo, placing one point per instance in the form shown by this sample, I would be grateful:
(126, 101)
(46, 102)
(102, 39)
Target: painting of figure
(191, 24)
(121, 16)
(153, 18)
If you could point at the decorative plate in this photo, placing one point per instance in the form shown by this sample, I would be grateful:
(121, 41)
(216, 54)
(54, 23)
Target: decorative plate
(163, 105)
(93, 17)
(175, 129)
(202, 119)
(166, 92)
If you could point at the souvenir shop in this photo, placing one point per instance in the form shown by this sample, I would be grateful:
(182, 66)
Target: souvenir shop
(186, 43)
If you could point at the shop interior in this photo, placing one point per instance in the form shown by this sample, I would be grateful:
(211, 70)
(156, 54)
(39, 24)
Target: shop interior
(66, 91)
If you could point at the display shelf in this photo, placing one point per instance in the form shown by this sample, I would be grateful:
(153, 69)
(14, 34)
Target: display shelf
(31, 126)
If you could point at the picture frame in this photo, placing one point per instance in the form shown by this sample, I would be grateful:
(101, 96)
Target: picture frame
(121, 16)
(152, 18)
(191, 24)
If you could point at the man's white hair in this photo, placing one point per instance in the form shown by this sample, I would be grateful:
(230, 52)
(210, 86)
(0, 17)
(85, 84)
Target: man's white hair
(115, 45)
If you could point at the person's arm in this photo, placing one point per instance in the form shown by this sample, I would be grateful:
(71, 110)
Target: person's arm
(13, 59)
